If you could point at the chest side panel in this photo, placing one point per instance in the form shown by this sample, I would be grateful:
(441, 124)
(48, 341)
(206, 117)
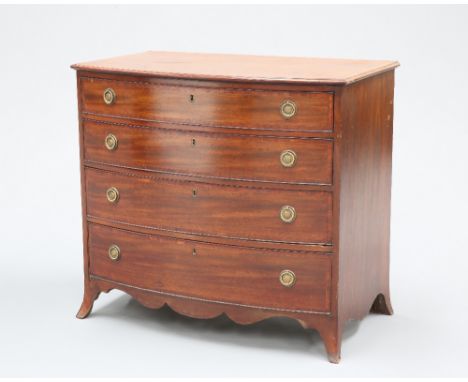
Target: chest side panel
(365, 183)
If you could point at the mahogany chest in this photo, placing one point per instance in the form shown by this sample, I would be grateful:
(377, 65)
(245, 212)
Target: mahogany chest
(246, 185)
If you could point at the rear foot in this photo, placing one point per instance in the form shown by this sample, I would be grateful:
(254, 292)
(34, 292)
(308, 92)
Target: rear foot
(382, 304)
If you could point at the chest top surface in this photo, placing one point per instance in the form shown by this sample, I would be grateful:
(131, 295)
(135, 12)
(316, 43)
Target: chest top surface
(241, 67)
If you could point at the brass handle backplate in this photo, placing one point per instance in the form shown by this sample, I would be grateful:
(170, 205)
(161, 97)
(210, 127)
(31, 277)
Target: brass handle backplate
(288, 158)
(112, 195)
(288, 214)
(287, 278)
(114, 252)
(109, 96)
(111, 142)
(288, 109)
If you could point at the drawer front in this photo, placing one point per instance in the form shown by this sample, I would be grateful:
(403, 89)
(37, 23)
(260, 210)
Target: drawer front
(208, 209)
(211, 272)
(284, 160)
(236, 108)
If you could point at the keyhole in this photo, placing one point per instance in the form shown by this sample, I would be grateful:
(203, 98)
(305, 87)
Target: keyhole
(194, 252)
(194, 193)
(194, 142)
(192, 98)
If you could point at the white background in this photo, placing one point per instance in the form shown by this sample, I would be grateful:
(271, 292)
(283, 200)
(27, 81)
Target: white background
(40, 213)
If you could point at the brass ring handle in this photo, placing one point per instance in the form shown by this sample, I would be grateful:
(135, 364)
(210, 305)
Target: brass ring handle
(288, 214)
(111, 142)
(109, 96)
(287, 278)
(112, 195)
(114, 252)
(288, 109)
(288, 158)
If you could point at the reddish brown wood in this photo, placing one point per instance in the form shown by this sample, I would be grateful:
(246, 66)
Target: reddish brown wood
(365, 183)
(244, 213)
(236, 108)
(325, 249)
(339, 243)
(210, 180)
(324, 324)
(223, 156)
(209, 272)
(289, 70)
(91, 293)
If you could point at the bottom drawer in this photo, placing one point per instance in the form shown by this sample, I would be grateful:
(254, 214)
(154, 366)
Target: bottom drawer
(212, 272)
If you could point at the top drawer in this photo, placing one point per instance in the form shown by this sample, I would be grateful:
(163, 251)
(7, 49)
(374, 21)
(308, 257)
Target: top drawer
(226, 107)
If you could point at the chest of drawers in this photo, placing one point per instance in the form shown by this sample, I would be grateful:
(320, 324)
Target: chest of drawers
(250, 186)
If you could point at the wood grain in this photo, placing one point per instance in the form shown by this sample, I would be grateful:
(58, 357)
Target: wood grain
(223, 156)
(237, 212)
(197, 168)
(241, 67)
(232, 275)
(365, 182)
(239, 108)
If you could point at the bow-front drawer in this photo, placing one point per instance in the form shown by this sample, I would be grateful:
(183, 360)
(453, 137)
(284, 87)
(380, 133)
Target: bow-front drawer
(249, 213)
(279, 280)
(226, 107)
(223, 156)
